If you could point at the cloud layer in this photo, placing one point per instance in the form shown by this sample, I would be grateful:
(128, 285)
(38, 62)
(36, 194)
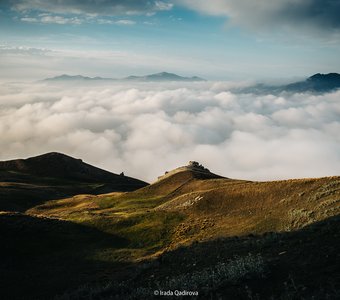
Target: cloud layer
(147, 129)
(97, 7)
(320, 15)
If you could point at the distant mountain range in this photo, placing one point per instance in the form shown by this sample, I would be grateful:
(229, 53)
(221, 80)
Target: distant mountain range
(66, 77)
(163, 76)
(318, 83)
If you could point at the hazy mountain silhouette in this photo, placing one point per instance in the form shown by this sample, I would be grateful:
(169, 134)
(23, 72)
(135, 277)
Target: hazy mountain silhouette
(65, 77)
(163, 76)
(318, 83)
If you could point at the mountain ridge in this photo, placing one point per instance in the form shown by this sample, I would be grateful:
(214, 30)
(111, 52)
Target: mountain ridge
(53, 175)
(162, 76)
(316, 83)
(55, 164)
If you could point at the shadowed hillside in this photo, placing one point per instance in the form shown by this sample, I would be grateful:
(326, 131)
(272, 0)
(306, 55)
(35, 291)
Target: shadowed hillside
(302, 264)
(46, 255)
(27, 182)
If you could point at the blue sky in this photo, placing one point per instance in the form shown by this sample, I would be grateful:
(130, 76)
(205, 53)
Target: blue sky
(218, 39)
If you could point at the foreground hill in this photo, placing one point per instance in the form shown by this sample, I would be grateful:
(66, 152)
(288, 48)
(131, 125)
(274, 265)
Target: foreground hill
(191, 230)
(28, 182)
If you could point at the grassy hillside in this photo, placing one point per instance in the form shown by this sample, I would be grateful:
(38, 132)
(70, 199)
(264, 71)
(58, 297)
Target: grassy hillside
(213, 207)
(190, 230)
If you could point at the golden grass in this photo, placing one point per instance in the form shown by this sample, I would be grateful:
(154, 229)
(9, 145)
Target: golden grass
(200, 209)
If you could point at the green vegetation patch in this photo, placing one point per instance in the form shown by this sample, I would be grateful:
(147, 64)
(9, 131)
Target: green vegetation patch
(128, 203)
(151, 231)
(267, 224)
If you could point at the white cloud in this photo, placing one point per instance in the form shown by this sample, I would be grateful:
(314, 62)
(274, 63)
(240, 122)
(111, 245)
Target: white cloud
(105, 21)
(93, 7)
(307, 15)
(145, 129)
(46, 18)
(23, 50)
(53, 19)
(60, 20)
(125, 22)
(29, 20)
(161, 5)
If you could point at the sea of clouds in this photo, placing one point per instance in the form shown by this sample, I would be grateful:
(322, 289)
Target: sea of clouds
(145, 129)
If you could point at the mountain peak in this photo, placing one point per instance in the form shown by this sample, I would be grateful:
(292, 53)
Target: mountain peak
(52, 157)
(163, 76)
(325, 77)
(194, 168)
(164, 73)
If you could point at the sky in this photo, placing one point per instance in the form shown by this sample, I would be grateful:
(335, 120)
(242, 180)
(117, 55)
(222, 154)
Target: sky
(144, 129)
(216, 39)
